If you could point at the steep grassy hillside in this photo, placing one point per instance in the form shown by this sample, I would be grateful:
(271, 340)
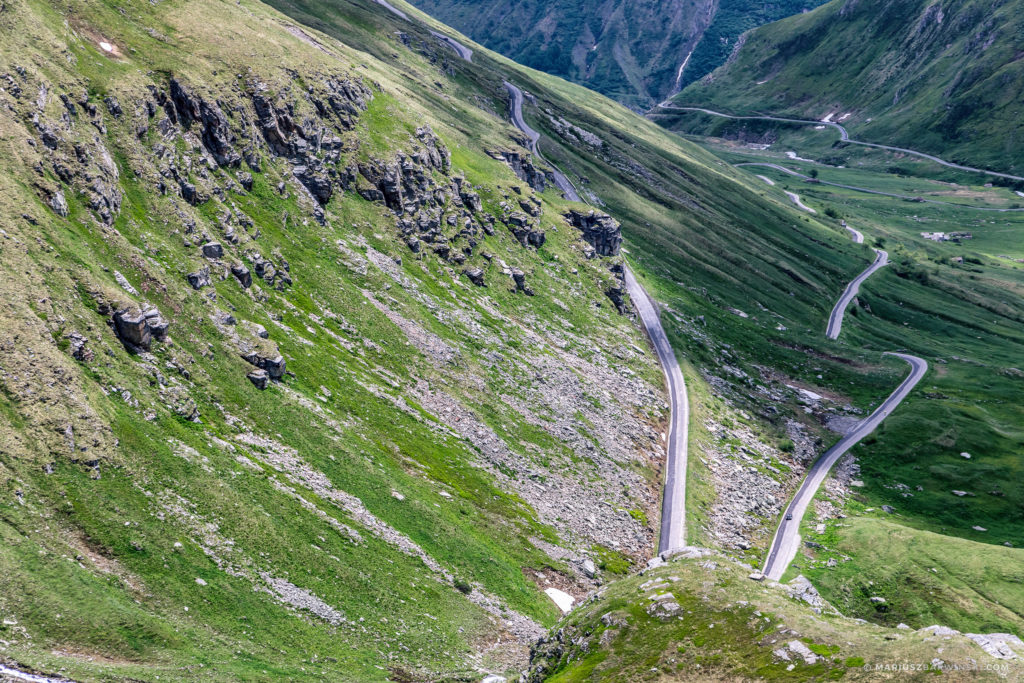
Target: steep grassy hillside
(308, 373)
(277, 400)
(942, 76)
(700, 618)
(638, 53)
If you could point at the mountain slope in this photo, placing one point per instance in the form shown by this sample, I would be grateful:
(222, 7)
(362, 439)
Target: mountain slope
(308, 372)
(938, 76)
(638, 53)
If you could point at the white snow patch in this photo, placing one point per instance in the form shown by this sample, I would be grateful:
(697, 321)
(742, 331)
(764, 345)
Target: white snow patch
(563, 600)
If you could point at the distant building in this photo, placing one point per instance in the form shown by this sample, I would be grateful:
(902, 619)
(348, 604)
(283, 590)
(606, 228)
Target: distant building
(947, 236)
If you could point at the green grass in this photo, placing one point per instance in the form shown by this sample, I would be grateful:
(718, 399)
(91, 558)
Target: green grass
(727, 627)
(906, 75)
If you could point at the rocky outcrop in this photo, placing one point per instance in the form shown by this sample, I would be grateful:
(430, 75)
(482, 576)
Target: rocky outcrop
(259, 378)
(213, 250)
(274, 366)
(200, 278)
(139, 328)
(617, 294)
(599, 230)
(187, 109)
(526, 230)
(524, 169)
(476, 276)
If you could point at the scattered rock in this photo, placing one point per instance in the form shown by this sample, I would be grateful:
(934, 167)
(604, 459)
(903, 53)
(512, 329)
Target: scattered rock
(259, 378)
(242, 274)
(79, 350)
(476, 276)
(520, 279)
(200, 278)
(213, 250)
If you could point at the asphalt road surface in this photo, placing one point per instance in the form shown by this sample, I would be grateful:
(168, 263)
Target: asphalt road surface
(517, 119)
(835, 320)
(673, 506)
(787, 538)
(845, 137)
(391, 8)
(920, 200)
(461, 49)
(795, 198)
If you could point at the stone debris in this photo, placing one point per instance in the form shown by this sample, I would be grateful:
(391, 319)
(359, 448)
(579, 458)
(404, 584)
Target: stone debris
(260, 379)
(998, 645)
(300, 598)
(801, 650)
(125, 285)
(801, 588)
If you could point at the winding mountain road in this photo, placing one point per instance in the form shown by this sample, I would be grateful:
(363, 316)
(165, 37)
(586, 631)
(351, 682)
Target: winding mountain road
(787, 538)
(795, 198)
(920, 200)
(673, 506)
(460, 49)
(844, 135)
(516, 106)
(786, 541)
(835, 320)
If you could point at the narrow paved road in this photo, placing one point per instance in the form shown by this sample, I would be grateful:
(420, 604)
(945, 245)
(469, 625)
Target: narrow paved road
(391, 8)
(459, 48)
(795, 198)
(786, 541)
(835, 321)
(845, 137)
(919, 200)
(516, 107)
(787, 538)
(673, 506)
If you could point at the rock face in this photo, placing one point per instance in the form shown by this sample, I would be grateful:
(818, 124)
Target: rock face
(213, 250)
(139, 328)
(200, 278)
(242, 274)
(524, 169)
(259, 378)
(599, 230)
